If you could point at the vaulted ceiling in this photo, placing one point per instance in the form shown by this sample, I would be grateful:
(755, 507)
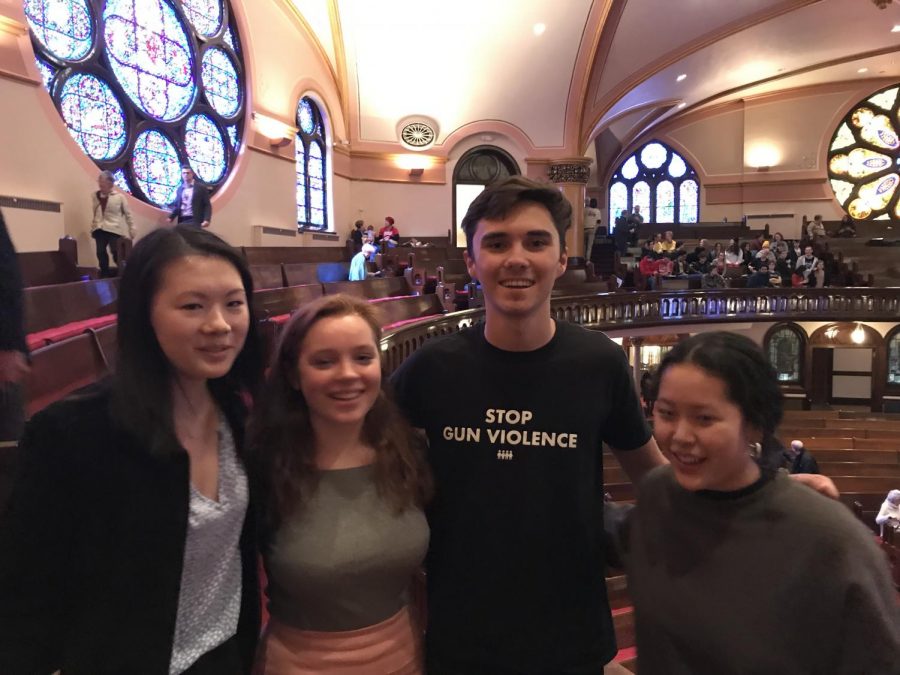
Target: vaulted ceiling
(561, 73)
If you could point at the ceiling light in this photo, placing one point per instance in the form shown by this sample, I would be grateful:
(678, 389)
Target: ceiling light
(681, 77)
(858, 335)
(896, 28)
(539, 28)
(681, 105)
(863, 70)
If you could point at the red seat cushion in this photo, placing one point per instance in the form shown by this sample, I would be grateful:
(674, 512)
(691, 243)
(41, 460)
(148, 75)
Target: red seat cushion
(398, 324)
(58, 333)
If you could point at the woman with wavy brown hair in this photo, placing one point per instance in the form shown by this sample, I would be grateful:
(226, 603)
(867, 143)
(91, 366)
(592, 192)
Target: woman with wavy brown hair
(345, 481)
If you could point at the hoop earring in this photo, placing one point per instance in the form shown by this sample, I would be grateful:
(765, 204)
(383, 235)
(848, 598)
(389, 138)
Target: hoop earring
(755, 450)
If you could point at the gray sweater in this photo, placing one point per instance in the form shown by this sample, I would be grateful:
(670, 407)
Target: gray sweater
(774, 579)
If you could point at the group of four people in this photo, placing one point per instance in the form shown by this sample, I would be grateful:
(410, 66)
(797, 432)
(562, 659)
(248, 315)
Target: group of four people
(130, 543)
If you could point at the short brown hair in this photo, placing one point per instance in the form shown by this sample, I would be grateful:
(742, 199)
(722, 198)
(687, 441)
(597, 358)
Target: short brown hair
(502, 198)
(281, 439)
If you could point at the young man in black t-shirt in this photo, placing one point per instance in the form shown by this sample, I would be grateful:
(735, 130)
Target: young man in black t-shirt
(516, 410)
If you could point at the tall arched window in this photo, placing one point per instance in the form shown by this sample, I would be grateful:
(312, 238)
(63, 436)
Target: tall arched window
(312, 182)
(145, 87)
(864, 158)
(660, 181)
(785, 344)
(476, 169)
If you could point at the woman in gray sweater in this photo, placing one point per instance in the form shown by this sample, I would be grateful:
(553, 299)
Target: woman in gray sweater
(733, 567)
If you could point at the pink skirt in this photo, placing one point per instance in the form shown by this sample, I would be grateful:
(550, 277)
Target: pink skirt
(392, 647)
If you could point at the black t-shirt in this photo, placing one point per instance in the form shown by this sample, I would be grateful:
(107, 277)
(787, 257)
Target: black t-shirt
(516, 560)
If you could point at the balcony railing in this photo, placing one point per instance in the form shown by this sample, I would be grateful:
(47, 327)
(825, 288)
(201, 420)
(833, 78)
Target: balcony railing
(616, 311)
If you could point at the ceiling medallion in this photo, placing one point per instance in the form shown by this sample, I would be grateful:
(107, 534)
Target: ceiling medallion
(417, 132)
(417, 135)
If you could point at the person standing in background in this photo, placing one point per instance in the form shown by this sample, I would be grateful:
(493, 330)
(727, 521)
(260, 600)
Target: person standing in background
(356, 236)
(192, 205)
(13, 362)
(112, 220)
(389, 235)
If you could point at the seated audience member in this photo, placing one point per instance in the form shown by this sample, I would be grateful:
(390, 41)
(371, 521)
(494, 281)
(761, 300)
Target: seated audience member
(713, 278)
(647, 247)
(356, 236)
(344, 484)
(756, 243)
(13, 347)
(701, 265)
(734, 257)
(649, 267)
(847, 228)
(889, 513)
(358, 262)
(722, 551)
(112, 220)
(778, 245)
(389, 235)
(783, 270)
(816, 229)
(807, 264)
(765, 256)
(667, 244)
(665, 266)
(679, 263)
(798, 460)
(128, 543)
(760, 278)
(817, 278)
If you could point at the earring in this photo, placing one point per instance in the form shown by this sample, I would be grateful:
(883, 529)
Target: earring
(755, 450)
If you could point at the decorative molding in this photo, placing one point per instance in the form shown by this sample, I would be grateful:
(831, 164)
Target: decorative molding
(268, 152)
(13, 27)
(28, 204)
(18, 77)
(340, 57)
(570, 172)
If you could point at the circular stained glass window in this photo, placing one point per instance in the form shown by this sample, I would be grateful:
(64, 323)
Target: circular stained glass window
(63, 28)
(220, 80)
(205, 148)
(864, 155)
(93, 116)
(653, 155)
(150, 54)
(156, 167)
(204, 15)
(128, 79)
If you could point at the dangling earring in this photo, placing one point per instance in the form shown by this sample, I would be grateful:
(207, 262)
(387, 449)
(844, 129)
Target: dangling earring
(755, 450)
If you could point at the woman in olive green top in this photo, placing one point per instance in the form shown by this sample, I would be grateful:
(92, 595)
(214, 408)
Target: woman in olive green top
(346, 483)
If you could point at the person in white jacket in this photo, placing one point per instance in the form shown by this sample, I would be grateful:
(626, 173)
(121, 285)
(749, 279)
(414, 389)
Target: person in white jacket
(889, 514)
(112, 220)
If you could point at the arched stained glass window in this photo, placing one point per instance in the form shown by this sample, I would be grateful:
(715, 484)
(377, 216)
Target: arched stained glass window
(864, 158)
(312, 172)
(784, 346)
(893, 340)
(145, 86)
(665, 202)
(660, 181)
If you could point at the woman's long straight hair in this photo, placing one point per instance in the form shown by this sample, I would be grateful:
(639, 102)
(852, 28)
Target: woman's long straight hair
(142, 386)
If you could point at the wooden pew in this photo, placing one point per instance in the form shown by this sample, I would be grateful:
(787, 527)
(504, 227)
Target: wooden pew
(296, 274)
(42, 268)
(276, 255)
(267, 276)
(55, 313)
(61, 368)
(857, 469)
(398, 311)
(371, 289)
(274, 302)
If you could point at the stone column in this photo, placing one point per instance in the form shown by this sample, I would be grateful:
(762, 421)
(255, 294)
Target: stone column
(571, 176)
(636, 344)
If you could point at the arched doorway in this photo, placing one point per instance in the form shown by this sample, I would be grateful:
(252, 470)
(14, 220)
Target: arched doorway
(477, 168)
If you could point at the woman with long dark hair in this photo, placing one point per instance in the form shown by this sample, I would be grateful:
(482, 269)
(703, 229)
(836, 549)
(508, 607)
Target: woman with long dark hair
(345, 484)
(127, 546)
(732, 566)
